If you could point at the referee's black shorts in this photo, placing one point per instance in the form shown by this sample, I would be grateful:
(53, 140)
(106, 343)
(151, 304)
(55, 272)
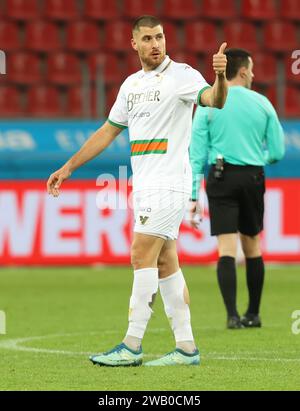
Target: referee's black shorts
(236, 202)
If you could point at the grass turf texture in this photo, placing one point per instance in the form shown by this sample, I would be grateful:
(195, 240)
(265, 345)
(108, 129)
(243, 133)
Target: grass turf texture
(77, 311)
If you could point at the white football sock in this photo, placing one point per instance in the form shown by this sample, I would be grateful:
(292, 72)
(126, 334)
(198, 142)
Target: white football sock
(175, 297)
(144, 289)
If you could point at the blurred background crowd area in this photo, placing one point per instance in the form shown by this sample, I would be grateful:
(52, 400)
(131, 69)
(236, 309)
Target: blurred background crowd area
(67, 58)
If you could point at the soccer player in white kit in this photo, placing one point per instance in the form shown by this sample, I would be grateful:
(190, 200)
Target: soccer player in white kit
(156, 105)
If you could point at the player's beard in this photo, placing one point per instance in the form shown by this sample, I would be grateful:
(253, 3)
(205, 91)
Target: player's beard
(152, 63)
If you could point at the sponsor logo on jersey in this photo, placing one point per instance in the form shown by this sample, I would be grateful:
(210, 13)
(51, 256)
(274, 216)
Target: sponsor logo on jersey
(139, 98)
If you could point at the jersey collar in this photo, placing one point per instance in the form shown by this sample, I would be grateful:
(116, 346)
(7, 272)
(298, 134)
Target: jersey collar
(158, 70)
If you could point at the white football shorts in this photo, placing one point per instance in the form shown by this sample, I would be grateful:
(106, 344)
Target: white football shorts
(159, 212)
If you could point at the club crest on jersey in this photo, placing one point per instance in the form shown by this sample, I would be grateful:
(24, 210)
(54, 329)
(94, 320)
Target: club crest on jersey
(143, 219)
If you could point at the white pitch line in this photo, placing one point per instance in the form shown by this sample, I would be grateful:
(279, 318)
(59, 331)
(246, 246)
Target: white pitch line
(15, 344)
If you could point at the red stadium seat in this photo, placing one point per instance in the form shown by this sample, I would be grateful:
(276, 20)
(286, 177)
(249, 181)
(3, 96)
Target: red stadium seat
(201, 37)
(9, 36)
(291, 98)
(61, 10)
(290, 9)
(171, 35)
(42, 36)
(265, 68)
(110, 66)
(180, 9)
(101, 9)
(238, 34)
(83, 36)
(118, 36)
(184, 57)
(74, 102)
(10, 102)
(111, 95)
(292, 102)
(132, 63)
(63, 69)
(218, 9)
(292, 67)
(207, 69)
(24, 68)
(280, 36)
(135, 8)
(259, 9)
(43, 101)
(271, 93)
(22, 9)
(76, 99)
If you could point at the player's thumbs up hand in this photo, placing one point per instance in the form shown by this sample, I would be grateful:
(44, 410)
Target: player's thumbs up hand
(220, 60)
(222, 48)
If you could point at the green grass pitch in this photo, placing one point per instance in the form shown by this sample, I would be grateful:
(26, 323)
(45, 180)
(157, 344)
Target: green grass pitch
(55, 317)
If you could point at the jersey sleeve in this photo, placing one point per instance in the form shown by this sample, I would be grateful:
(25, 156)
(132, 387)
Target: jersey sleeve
(118, 115)
(199, 148)
(191, 85)
(274, 136)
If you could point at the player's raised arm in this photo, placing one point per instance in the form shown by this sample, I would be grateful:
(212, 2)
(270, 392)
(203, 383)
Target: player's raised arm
(96, 143)
(216, 95)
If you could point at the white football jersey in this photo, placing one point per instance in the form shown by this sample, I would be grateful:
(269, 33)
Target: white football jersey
(157, 108)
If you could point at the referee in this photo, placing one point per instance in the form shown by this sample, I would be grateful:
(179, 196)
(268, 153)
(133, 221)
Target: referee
(238, 140)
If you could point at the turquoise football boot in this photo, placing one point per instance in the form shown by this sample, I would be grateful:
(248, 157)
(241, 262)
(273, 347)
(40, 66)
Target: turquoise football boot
(177, 357)
(119, 356)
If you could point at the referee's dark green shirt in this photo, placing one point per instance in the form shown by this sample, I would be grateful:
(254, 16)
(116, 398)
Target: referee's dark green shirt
(245, 132)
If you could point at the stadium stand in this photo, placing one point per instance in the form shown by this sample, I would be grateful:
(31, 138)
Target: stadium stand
(61, 10)
(43, 101)
(108, 63)
(133, 8)
(63, 69)
(265, 68)
(22, 9)
(79, 101)
(101, 9)
(18, 72)
(280, 36)
(117, 36)
(9, 36)
(60, 39)
(179, 9)
(200, 37)
(10, 102)
(241, 34)
(42, 36)
(259, 9)
(83, 36)
(218, 9)
(289, 9)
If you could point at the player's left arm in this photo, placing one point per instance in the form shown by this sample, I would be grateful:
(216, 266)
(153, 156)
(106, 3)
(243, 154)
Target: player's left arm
(215, 96)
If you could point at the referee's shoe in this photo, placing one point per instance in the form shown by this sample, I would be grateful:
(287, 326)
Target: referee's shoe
(234, 323)
(251, 320)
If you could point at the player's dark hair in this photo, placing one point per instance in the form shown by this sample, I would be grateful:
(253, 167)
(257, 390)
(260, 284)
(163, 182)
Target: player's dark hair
(146, 21)
(236, 58)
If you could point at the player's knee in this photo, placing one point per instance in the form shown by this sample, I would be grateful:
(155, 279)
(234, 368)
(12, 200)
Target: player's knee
(140, 259)
(227, 245)
(136, 260)
(167, 263)
(251, 246)
(162, 265)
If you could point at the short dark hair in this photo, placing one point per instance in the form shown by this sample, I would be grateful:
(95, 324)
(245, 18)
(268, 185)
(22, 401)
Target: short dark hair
(146, 21)
(236, 58)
